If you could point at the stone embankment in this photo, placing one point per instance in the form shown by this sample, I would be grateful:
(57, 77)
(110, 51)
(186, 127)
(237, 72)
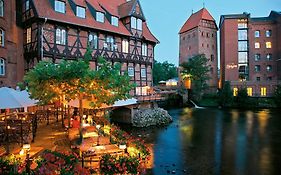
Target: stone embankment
(151, 117)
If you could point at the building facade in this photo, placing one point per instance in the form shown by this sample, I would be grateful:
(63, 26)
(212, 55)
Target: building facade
(114, 29)
(199, 36)
(11, 44)
(250, 52)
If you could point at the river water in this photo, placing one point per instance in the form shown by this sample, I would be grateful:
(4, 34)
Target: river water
(213, 141)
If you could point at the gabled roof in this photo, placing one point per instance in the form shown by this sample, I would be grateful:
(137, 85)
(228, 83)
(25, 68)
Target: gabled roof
(130, 8)
(147, 34)
(194, 20)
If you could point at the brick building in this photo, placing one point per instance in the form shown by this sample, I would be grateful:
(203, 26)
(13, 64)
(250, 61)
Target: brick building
(62, 29)
(199, 36)
(11, 44)
(251, 52)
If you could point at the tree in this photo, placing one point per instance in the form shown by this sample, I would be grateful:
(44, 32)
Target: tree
(69, 80)
(277, 95)
(163, 71)
(197, 70)
(225, 95)
(242, 98)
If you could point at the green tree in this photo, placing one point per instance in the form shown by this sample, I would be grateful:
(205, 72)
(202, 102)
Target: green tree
(225, 95)
(163, 71)
(242, 98)
(197, 70)
(277, 95)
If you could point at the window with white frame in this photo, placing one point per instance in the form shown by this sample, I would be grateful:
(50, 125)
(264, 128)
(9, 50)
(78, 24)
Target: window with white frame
(133, 22)
(81, 12)
(28, 35)
(139, 24)
(110, 43)
(2, 66)
(27, 5)
(125, 46)
(114, 21)
(59, 6)
(143, 72)
(93, 40)
(131, 71)
(60, 36)
(1, 8)
(257, 34)
(257, 45)
(144, 49)
(2, 37)
(100, 17)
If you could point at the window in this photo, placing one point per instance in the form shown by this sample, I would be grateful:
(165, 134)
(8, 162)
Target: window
(268, 68)
(28, 35)
(268, 33)
(133, 22)
(258, 78)
(250, 91)
(269, 78)
(235, 92)
(144, 49)
(257, 45)
(202, 34)
(143, 72)
(207, 35)
(242, 57)
(139, 24)
(263, 91)
(257, 34)
(27, 5)
(110, 43)
(2, 38)
(211, 70)
(125, 46)
(1, 8)
(100, 17)
(131, 71)
(2, 66)
(269, 57)
(242, 25)
(257, 57)
(59, 6)
(242, 45)
(60, 36)
(242, 35)
(114, 21)
(257, 68)
(268, 45)
(141, 91)
(93, 40)
(80, 12)
(212, 58)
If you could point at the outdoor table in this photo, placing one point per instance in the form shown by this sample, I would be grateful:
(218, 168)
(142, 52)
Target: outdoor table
(33, 152)
(90, 134)
(104, 149)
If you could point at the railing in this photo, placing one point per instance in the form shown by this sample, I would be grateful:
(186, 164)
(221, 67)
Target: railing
(152, 97)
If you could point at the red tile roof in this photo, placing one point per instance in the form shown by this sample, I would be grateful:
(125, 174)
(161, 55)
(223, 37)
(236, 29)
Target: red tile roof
(126, 8)
(194, 20)
(147, 34)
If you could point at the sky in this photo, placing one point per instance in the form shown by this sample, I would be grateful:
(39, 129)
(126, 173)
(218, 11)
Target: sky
(166, 17)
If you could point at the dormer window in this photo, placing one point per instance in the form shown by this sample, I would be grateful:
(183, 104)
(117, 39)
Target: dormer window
(100, 17)
(59, 6)
(136, 23)
(114, 21)
(139, 24)
(80, 12)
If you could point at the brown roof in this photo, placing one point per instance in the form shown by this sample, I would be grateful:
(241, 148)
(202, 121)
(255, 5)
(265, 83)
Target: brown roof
(194, 20)
(126, 8)
(147, 34)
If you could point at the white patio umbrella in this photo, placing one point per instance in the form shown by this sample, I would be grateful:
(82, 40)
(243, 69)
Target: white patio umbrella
(10, 98)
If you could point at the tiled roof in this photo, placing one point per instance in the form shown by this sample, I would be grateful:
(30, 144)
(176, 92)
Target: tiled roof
(194, 20)
(45, 10)
(125, 9)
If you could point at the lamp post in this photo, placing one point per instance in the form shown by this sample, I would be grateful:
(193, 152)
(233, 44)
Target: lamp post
(98, 127)
(26, 149)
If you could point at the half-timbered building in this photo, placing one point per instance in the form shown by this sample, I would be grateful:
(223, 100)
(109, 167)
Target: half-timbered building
(114, 29)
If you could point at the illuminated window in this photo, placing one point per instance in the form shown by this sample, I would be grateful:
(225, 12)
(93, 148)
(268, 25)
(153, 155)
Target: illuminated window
(268, 68)
(1, 8)
(257, 45)
(2, 66)
(269, 57)
(93, 40)
(114, 21)
(80, 12)
(250, 91)
(268, 45)
(143, 72)
(141, 90)
(263, 91)
(100, 17)
(28, 35)
(257, 34)
(59, 6)
(235, 92)
(60, 36)
(268, 33)
(144, 49)
(125, 46)
(2, 37)
(131, 71)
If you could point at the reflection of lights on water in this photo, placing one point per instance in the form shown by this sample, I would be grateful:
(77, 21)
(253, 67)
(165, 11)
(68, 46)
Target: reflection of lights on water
(250, 120)
(263, 119)
(235, 116)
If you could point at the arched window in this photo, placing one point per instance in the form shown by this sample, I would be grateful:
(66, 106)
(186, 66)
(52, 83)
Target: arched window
(1, 8)
(2, 66)
(2, 37)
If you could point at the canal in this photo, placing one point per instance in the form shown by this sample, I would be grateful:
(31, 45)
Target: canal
(213, 141)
